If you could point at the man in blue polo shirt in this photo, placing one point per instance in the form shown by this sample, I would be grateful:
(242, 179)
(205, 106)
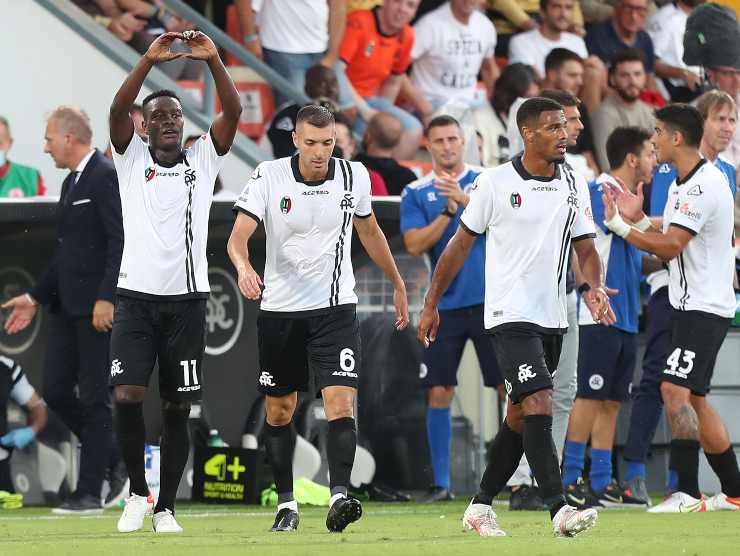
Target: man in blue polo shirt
(606, 360)
(720, 117)
(625, 29)
(430, 211)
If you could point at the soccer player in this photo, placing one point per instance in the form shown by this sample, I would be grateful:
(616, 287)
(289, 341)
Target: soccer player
(307, 328)
(163, 285)
(15, 386)
(430, 213)
(524, 495)
(606, 361)
(531, 209)
(697, 242)
(720, 120)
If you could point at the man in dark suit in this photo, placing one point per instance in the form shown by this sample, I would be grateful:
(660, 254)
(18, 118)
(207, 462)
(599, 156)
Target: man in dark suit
(79, 288)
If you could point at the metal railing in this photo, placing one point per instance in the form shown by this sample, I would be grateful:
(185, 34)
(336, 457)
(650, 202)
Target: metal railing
(223, 40)
(126, 57)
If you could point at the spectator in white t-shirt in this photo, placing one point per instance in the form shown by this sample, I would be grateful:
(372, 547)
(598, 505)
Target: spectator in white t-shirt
(293, 35)
(666, 27)
(533, 46)
(452, 45)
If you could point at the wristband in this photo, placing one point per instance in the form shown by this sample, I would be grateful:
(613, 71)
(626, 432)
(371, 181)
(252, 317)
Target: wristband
(448, 212)
(643, 224)
(250, 38)
(583, 288)
(618, 226)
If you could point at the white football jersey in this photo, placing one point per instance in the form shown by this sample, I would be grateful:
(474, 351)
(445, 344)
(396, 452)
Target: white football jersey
(308, 226)
(700, 277)
(529, 222)
(165, 220)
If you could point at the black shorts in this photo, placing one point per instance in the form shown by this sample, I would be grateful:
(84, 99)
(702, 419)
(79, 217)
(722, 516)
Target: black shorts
(172, 333)
(441, 360)
(528, 356)
(606, 362)
(293, 349)
(695, 341)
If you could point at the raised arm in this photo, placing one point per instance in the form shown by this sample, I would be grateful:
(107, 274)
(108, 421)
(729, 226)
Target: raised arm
(121, 126)
(223, 128)
(376, 245)
(238, 249)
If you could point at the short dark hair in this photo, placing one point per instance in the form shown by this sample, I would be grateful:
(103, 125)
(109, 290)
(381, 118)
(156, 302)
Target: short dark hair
(558, 56)
(564, 98)
(626, 55)
(441, 121)
(685, 119)
(317, 116)
(531, 109)
(623, 141)
(158, 94)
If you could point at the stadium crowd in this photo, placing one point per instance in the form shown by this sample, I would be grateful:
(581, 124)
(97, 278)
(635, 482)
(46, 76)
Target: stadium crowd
(424, 95)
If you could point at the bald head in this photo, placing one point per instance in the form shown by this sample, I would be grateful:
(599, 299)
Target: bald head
(383, 132)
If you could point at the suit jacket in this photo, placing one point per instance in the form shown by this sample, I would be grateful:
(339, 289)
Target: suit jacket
(87, 259)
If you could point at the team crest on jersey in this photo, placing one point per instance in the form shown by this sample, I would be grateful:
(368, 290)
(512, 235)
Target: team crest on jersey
(285, 205)
(347, 202)
(369, 49)
(149, 173)
(515, 200)
(189, 176)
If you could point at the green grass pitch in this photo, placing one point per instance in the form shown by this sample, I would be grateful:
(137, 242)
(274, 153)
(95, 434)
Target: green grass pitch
(384, 530)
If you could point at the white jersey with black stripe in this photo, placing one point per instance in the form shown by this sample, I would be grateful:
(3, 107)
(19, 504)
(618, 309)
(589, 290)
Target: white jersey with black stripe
(529, 222)
(309, 232)
(165, 220)
(700, 277)
(19, 389)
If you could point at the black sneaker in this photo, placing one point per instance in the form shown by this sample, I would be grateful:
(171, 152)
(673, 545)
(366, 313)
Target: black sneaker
(619, 497)
(579, 496)
(527, 498)
(343, 512)
(119, 485)
(285, 520)
(438, 494)
(80, 504)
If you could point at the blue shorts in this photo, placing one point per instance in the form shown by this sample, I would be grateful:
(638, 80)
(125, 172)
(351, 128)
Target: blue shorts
(606, 362)
(441, 360)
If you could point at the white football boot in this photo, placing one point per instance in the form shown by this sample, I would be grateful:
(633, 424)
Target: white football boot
(481, 518)
(569, 521)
